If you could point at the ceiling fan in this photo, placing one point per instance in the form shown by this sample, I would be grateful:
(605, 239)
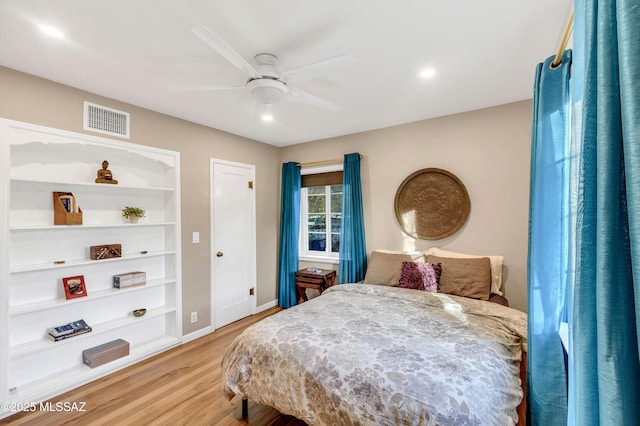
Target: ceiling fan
(266, 83)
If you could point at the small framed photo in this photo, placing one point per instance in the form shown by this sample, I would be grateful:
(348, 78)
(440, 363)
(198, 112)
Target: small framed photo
(74, 287)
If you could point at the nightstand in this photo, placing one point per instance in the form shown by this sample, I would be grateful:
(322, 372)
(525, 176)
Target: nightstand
(318, 279)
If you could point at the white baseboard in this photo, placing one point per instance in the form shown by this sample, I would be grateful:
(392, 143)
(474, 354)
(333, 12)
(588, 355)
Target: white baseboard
(266, 306)
(206, 330)
(196, 334)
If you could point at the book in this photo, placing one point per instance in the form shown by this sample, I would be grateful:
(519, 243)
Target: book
(67, 336)
(67, 202)
(66, 331)
(130, 279)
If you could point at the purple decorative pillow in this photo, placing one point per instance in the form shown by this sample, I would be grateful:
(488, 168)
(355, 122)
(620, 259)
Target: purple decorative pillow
(420, 276)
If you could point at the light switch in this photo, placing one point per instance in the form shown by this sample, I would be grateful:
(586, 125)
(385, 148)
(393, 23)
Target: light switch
(196, 238)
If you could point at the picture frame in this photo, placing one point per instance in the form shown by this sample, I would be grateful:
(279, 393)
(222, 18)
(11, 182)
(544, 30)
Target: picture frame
(74, 287)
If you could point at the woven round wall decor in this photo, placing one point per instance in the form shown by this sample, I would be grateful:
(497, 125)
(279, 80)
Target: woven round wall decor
(431, 204)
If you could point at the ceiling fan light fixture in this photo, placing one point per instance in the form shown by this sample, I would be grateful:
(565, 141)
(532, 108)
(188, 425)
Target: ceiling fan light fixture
(266, 84)
(267, 91)
(265, 112)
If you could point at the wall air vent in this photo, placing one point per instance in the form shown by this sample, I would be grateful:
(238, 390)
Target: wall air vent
(101, 119)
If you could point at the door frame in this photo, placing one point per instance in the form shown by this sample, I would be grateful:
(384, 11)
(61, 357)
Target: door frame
(253, 272)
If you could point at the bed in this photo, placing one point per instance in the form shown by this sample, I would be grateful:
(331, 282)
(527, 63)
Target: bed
(381, 354)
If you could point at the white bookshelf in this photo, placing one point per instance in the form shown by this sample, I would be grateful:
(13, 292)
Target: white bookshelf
(35, 162)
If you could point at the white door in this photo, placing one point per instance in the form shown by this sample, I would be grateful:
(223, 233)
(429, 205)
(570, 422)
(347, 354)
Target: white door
(233, 242)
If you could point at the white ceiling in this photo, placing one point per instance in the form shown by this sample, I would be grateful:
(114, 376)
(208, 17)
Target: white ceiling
(484, 54)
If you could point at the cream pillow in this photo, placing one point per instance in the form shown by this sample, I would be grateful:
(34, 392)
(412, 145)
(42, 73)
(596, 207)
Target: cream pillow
(496, 265)
(385, 266)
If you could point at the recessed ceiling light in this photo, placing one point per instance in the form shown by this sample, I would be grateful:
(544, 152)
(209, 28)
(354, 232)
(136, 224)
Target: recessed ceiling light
(427, 72)
(51, 31)
(267, 118)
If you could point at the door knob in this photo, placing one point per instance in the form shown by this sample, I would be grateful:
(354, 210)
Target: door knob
(219, 254)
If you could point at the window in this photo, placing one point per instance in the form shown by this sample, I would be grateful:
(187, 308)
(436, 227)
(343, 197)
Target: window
(321, 212)
(321, 217)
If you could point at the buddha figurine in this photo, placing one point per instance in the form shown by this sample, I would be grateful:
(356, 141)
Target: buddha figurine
(104, 174)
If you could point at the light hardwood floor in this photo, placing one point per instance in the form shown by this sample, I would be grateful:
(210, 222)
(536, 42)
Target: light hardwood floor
(177, 387)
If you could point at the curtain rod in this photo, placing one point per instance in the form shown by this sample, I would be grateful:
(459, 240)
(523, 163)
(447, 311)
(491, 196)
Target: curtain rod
(568, 30)
(315, 163)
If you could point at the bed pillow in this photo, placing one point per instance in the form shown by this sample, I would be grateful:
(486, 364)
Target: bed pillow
(385, 266)
(496, 265)
(467, 277)
(420, 276)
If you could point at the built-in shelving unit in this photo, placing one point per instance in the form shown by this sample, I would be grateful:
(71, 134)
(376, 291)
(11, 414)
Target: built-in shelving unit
(36, 255)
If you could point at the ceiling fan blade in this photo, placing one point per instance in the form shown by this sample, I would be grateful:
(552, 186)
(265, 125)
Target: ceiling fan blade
(303, 97)
(203, 88)
(307, 72)
(225, 50)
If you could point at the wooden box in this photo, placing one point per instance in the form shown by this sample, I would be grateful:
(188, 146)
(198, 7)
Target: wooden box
(107, 352)
(65, 209)
(106, 251)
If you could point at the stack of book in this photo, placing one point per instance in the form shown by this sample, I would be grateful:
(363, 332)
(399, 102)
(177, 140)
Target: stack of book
(69, 202)
(130, 279)
(68, 330)
(65, 209)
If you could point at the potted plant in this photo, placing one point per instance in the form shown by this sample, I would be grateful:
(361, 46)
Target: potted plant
(133, 213)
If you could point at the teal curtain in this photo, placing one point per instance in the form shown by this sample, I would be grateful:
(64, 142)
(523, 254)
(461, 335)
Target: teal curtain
(353, 253)
(549, 224)
(604, 384)
(289, 234)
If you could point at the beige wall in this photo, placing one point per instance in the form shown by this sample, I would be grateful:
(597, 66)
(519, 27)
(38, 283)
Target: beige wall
(489, 150)
(30, 99)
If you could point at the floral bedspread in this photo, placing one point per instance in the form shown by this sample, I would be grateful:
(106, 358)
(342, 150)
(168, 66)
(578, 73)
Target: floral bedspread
(375, 355)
